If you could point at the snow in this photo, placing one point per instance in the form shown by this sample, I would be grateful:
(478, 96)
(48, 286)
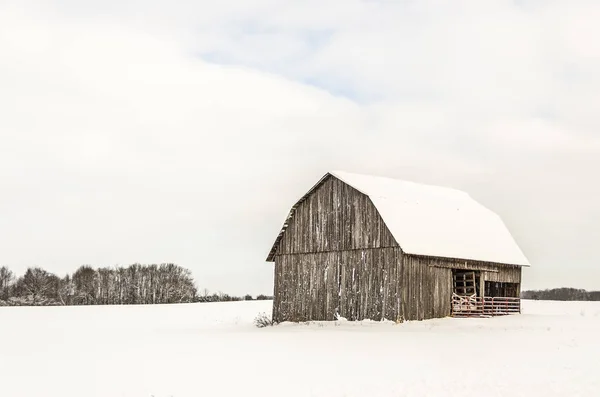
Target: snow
(214, 349)
(438, 221)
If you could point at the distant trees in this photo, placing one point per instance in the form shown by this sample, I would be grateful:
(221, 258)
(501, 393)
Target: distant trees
(562, 294)
(134, 284)
(222, 297)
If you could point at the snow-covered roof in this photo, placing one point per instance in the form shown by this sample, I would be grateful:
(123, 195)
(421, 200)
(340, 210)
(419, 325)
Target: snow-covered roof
(438, 221)
(434, 221)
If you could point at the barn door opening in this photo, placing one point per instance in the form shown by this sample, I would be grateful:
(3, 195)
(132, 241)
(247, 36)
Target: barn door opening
(466, 282)
(466, 293)
(473, 297)
(504, 290)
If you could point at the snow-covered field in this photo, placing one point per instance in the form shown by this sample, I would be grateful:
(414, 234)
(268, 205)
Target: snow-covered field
(552, 349)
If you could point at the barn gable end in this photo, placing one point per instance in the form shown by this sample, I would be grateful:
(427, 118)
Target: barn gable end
(332, 216)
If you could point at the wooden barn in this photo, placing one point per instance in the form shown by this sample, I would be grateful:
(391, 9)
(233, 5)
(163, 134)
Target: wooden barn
(369, 247)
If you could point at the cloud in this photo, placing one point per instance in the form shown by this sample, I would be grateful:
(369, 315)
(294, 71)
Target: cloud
(151, 131)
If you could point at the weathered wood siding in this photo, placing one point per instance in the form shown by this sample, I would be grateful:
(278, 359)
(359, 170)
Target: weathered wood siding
(462, 264)
(336, 255)
(357, 284)
(335, 217)
(427, 290)
(491, 271)
(504, 274)
(371, 284)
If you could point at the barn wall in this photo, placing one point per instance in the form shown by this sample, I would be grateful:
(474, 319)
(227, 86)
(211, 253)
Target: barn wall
(335, 217)
(357, 284)
(426, 289)
(371, 284)
(491, 271)
(461, 264)
(504, 274)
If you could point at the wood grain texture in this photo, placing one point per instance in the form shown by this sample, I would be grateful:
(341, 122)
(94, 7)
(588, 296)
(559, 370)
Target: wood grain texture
(356, 284)
(376, 284)
(504, 274)
(335, 217)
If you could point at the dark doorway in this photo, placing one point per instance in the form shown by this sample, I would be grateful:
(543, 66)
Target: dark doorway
(503, 290)
(466, 282)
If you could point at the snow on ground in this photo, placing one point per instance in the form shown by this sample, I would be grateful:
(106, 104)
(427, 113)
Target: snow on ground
(213, 349)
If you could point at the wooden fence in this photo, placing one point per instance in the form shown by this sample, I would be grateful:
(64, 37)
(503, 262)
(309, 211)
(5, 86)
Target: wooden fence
(475, 306)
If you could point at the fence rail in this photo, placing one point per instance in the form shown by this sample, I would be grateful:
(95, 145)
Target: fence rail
(472, 305)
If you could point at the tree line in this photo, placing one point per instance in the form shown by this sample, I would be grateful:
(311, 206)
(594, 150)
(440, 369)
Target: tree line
(562, 294)
(133, 284)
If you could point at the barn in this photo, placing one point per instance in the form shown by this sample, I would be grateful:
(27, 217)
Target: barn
(372, 247)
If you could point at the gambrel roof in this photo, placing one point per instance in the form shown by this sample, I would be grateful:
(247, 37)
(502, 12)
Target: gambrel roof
(431, 220)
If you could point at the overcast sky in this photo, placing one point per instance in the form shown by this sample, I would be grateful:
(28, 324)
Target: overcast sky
(155, 131)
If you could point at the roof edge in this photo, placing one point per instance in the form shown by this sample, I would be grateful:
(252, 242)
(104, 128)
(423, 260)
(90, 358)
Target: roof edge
(468, 260)
(272, 252)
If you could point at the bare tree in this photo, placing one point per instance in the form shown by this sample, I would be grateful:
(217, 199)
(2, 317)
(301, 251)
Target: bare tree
(66, 290)
(38, 285)
(106, 288)
(84, 280)
(6, 280)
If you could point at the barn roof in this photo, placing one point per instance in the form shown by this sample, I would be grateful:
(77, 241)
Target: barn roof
(432, 220)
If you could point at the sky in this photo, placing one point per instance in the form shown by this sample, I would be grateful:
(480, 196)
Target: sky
(158, 131)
